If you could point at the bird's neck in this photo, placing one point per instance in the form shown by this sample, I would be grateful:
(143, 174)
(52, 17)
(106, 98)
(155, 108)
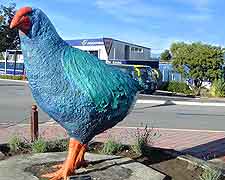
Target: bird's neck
(42, 56)
(36, 49)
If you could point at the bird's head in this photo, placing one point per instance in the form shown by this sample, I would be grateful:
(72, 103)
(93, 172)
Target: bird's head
(22, 20)
(31, 22)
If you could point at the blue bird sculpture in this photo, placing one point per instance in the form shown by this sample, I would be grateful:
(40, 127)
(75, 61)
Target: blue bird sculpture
(80, 92)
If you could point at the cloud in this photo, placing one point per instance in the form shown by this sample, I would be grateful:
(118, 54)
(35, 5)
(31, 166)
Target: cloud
(198, 4)
(133, 10)
(198, 17)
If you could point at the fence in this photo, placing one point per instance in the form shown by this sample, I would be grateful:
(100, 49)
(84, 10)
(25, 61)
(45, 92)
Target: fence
(11, 68)
(12, 63)
(168, 74)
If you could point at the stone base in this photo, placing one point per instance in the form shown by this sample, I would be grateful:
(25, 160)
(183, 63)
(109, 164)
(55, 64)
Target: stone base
(101, 167)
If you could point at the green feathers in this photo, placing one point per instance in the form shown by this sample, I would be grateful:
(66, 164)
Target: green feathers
(105, 85)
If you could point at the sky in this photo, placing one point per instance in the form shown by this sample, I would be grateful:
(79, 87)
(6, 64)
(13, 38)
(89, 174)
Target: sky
(152, 23)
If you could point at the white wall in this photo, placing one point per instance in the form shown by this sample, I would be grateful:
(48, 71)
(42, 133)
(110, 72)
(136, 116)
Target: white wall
(101, 49)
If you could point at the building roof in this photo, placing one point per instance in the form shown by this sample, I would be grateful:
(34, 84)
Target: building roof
(97, 42)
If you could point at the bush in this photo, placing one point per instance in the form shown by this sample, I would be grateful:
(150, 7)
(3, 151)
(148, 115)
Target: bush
(179, 87)
(210, 174)
(11, 77)
(111, 147)
(164, 86)
(218, 88)
(39, 146)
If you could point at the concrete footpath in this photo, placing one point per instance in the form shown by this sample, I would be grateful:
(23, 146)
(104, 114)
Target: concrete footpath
(101, 167)
(206, 145)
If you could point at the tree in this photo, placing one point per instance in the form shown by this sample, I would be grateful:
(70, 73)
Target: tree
(9, 38)
(198, 61)
(165, 55)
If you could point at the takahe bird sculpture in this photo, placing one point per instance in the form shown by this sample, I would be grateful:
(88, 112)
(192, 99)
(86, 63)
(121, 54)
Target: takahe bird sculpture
(80, 92)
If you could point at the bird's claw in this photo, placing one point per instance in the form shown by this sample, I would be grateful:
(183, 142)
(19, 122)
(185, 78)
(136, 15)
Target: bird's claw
(58, 175)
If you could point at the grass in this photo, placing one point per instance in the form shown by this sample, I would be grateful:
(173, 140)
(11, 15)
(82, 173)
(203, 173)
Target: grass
(17, 77)
(16, 144)
(210, 174)
(39, 146)
(111, 147)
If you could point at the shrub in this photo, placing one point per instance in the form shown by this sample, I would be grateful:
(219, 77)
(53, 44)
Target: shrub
(1, 56)
(39, 146)
(178, 87)
(210, 174)
(111, 147)
(164, 86)
(143, 139)
(16, 144)
(218, 88)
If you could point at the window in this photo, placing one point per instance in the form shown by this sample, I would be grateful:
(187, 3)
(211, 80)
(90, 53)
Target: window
(95, 53)
(136, 50)
(141, 50)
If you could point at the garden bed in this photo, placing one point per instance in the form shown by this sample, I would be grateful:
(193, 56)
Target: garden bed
(165, 161)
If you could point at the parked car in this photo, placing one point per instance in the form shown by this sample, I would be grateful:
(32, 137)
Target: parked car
(143, 74)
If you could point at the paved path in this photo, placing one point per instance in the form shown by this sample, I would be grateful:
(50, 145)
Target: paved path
(206, 145)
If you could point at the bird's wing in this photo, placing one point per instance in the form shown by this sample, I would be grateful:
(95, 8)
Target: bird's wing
(104, 84)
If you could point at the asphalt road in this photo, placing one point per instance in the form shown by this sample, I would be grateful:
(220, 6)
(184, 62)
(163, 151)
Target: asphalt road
(16, 101)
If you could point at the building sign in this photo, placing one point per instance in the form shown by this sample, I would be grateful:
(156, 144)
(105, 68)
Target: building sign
(86, 42)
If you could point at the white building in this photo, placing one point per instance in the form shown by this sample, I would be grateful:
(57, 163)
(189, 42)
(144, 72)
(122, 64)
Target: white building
(107, 49)
(115, 51)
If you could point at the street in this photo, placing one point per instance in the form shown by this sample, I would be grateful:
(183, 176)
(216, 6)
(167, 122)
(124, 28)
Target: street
(16, 101)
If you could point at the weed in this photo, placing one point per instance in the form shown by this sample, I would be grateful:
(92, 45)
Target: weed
(143, 139)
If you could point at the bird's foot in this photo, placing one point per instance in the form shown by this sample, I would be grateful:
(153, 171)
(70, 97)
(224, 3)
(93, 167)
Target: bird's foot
(57, 166)
(74, 160)
(83, 163)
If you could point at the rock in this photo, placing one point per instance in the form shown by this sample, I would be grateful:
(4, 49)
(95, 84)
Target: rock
(2, 156)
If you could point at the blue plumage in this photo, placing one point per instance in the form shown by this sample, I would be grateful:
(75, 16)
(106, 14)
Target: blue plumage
(80, 92)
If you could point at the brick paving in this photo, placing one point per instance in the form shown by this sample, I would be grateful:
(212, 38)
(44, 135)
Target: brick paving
(206, 145)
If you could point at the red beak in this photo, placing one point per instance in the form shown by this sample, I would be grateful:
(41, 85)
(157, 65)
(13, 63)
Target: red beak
(21, 21)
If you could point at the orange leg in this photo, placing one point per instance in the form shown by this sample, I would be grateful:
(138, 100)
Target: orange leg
(74, 159)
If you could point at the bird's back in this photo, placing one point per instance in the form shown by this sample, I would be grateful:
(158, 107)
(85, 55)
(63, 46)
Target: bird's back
(104, 84)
